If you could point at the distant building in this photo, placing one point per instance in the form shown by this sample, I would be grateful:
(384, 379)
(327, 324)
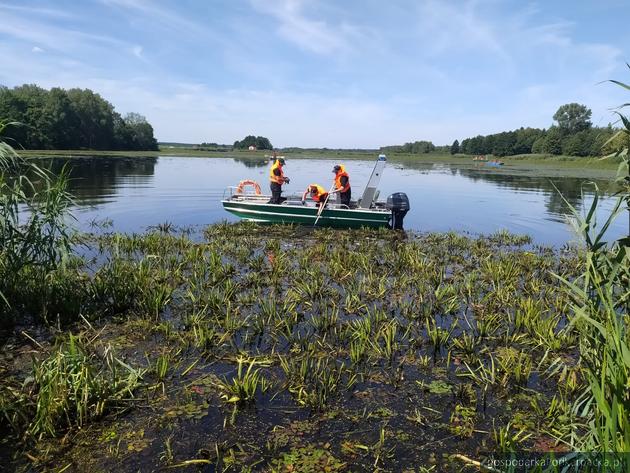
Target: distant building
(252, 148)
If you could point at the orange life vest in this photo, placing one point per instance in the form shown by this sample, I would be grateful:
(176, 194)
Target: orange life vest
(317, 192)
(338, 185)
(272, 176)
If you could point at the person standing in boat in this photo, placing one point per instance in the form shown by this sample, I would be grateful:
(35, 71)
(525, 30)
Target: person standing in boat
(342, 184)
(317, 193)
(276, 178)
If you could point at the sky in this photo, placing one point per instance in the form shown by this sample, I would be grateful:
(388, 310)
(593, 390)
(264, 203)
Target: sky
(329, 73)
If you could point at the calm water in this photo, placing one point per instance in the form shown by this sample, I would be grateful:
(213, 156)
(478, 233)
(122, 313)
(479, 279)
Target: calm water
(136, 193)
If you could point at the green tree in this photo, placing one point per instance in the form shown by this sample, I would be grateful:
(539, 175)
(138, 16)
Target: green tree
(259, 142)
(578, 144)
(140, 132)
(77, 118)
(58, 119)
(573, 117)
(95, 116)
(465, 146)
(263, 143)
(455, 147)
(525, 139)
(503, 144)
(553, 141)
(476, 145)
(538, 147)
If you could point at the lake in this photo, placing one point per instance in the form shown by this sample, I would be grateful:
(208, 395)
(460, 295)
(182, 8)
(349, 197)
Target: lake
(136, 193)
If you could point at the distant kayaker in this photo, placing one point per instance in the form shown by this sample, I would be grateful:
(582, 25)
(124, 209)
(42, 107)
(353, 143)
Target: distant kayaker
(276, 178)
(342, 184)
(317, 193)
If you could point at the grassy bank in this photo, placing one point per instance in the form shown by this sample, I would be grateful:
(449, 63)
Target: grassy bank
(280, 349)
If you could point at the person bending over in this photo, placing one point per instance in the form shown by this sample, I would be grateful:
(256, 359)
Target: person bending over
(317, 193)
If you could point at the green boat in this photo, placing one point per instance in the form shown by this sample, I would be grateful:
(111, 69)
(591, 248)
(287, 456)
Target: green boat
(366, 212)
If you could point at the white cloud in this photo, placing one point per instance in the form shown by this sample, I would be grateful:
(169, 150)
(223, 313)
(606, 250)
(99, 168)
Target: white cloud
(316, 36)
(433, 70)
(50, 12)
(52, 37)
(164, 17)
(457, 26)
(137, 51)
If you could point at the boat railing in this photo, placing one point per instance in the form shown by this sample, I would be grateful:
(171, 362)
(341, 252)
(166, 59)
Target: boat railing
(231, 192)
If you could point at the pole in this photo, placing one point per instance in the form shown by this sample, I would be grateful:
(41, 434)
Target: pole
(321, 207)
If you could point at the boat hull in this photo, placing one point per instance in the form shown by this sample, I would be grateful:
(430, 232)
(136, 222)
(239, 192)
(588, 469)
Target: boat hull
(306, 215)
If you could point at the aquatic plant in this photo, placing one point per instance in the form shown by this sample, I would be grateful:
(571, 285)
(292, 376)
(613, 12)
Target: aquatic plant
(462, 421)
(243, 387)
(508, 439)
(515, 366)
(322, 358)
(313, 380)
(439, 337)
(74, 385)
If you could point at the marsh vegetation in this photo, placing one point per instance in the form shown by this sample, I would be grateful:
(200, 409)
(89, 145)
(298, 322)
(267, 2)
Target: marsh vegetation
(274, 348)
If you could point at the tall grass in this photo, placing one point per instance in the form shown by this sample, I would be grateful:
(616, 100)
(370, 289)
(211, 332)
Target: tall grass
(75, 385)
(600, 301)
(621, 141)
(34, 232)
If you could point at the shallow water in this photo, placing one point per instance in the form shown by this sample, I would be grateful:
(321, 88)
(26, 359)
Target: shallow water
(136, 193)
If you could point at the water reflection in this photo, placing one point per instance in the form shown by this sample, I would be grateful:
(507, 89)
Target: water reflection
(252, 162)
(95, 180)
(139, 192)
(559, 191)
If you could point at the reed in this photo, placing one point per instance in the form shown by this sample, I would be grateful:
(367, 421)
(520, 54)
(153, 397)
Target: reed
(34, 233)
(75, 385)
(600, 300)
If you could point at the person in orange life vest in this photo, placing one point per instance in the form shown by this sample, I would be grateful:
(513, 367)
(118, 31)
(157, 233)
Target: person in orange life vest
(276, 178)
(342, 184)
(317, 193)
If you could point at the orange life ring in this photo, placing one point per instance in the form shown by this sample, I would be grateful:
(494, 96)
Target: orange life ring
(248, 182)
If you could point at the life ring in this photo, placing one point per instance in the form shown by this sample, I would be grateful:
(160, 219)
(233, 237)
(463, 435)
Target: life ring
(248, 182)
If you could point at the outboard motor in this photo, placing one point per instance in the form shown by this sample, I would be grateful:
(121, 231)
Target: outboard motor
(398, 203)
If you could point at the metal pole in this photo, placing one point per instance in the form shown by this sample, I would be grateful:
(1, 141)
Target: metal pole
(321, 208)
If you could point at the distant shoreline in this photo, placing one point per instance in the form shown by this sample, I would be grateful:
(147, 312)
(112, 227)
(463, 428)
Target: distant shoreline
(532, 164)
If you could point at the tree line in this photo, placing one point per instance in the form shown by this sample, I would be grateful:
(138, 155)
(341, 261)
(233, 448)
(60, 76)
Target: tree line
(572, 134)
(259, 142)
(70, 119)
(417, 147)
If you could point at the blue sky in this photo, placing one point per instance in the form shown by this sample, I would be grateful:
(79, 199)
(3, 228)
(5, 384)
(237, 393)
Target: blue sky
(335, 73)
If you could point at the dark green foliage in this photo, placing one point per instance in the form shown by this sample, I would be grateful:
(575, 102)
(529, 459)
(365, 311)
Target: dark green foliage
(553, 141)
(455, 147)
(71, 119)
(260, 142)
(525, 139)
(579, 144)
(573, 118)
(572, 136)
(473, 145)
(588, 142)
(417, 147)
